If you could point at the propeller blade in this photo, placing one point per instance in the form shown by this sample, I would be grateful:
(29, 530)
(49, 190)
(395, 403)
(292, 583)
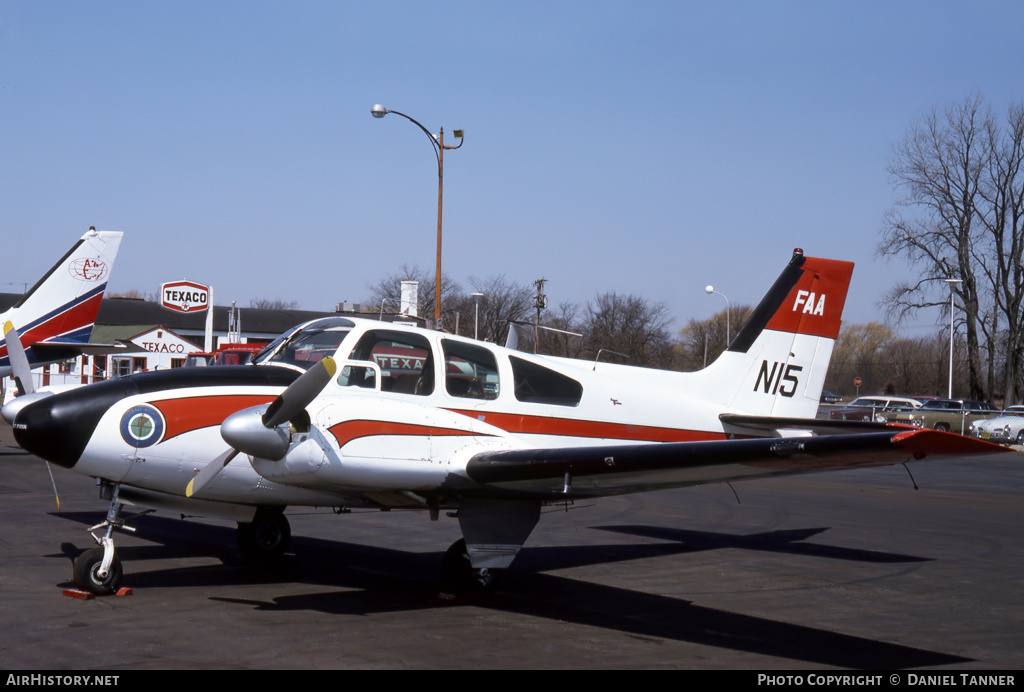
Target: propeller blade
(21, 370)
(209, 472)
(300, 393)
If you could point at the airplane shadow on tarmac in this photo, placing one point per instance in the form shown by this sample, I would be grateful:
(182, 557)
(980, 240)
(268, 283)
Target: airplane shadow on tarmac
(366, 579)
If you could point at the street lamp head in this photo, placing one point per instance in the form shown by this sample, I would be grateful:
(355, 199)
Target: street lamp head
(379, 111)
(709, 289)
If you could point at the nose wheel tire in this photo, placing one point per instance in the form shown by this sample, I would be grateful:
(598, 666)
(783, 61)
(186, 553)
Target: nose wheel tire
(86, 573)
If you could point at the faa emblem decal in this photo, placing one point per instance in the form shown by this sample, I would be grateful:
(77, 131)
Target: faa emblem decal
(142, 426)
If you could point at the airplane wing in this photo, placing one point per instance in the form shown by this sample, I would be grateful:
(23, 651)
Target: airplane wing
(68, 349)
(584, 472)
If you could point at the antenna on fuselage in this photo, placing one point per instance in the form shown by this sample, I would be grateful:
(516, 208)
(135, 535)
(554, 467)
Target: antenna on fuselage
(598, 357)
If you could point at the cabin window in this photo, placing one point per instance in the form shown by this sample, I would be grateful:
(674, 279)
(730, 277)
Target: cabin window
(471, 371)
(405, 360)
(539, 385)
(364, 376)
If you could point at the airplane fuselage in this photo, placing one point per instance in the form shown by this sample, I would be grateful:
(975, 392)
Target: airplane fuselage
(407, 411)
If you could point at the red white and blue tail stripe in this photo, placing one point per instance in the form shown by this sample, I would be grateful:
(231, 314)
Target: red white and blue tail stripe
(61, 308)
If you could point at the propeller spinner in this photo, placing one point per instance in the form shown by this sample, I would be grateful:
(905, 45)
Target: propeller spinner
(261, 433)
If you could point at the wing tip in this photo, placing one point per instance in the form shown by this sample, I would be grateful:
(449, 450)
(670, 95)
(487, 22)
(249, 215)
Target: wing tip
(923, 442)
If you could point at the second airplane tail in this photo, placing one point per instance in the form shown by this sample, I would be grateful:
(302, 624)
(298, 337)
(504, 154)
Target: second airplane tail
(62, 306)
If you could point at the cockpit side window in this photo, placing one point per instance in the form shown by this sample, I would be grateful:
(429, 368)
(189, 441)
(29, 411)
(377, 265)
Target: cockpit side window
(537, 384)
(405, 360)
(471, 371)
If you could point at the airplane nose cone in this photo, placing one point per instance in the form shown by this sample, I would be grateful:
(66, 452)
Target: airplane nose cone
(42, 429)
(57, 428)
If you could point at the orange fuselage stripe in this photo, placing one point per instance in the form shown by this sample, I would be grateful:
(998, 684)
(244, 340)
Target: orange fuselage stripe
(192, 413)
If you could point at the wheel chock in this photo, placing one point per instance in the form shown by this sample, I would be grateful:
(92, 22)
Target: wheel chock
(86, 596)
(78, 593)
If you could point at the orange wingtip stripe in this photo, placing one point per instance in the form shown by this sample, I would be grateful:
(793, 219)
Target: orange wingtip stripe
(923, 442)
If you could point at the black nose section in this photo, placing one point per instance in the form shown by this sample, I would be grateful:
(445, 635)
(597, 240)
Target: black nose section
(59, 427)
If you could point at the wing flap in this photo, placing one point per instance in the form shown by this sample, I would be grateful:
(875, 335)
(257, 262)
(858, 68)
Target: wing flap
(818, 426)
(577, 472)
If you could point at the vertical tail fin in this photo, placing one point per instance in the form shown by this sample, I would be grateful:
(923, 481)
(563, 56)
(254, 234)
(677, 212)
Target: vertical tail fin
(62, 305)
(776, 365)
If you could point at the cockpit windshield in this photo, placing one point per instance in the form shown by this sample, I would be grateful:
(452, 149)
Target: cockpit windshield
(307, 345)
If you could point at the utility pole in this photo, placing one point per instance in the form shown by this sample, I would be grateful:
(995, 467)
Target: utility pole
(540, 302)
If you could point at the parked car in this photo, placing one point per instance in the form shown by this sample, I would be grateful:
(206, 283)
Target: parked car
(1006, 428)
(945, 414)
(830, 398)
(869, 407)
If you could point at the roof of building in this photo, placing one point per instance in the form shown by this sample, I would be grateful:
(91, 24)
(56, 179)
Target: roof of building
(123, 318)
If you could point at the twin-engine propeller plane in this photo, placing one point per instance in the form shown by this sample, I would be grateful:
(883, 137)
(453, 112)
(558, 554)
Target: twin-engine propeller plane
(349, 413)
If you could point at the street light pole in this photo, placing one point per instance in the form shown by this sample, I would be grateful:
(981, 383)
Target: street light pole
(952, 284)
(437, 142)
(476, 318)
(728, 308)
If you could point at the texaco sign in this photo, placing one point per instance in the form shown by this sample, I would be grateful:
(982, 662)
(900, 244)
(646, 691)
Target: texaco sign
(185, 296)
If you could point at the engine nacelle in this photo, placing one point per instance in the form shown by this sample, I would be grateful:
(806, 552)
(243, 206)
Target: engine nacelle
(244, 430)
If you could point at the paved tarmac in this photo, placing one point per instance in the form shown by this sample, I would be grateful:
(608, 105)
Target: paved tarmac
(852, 569)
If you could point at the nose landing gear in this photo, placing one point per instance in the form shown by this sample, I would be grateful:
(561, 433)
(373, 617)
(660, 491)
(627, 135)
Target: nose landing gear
(98, 570)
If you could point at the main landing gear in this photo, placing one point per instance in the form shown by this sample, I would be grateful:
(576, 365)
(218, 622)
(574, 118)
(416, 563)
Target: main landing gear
(266, 537)
(459, 577)
(493, 532)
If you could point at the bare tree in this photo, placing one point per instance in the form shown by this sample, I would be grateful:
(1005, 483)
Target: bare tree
(276, 304)
(889, 364)
(1002, 216)
(635, 329)
(702, 341)
(565, 338)
(386, 294)
(940, 165)
(502, 303)
(963, 218)
(856, 353)
(135, 294)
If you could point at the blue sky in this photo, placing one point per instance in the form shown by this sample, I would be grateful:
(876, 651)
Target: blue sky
(641, 147)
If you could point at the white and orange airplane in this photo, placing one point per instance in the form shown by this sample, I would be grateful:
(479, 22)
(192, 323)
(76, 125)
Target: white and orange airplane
(55, 317)
(351, 413)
